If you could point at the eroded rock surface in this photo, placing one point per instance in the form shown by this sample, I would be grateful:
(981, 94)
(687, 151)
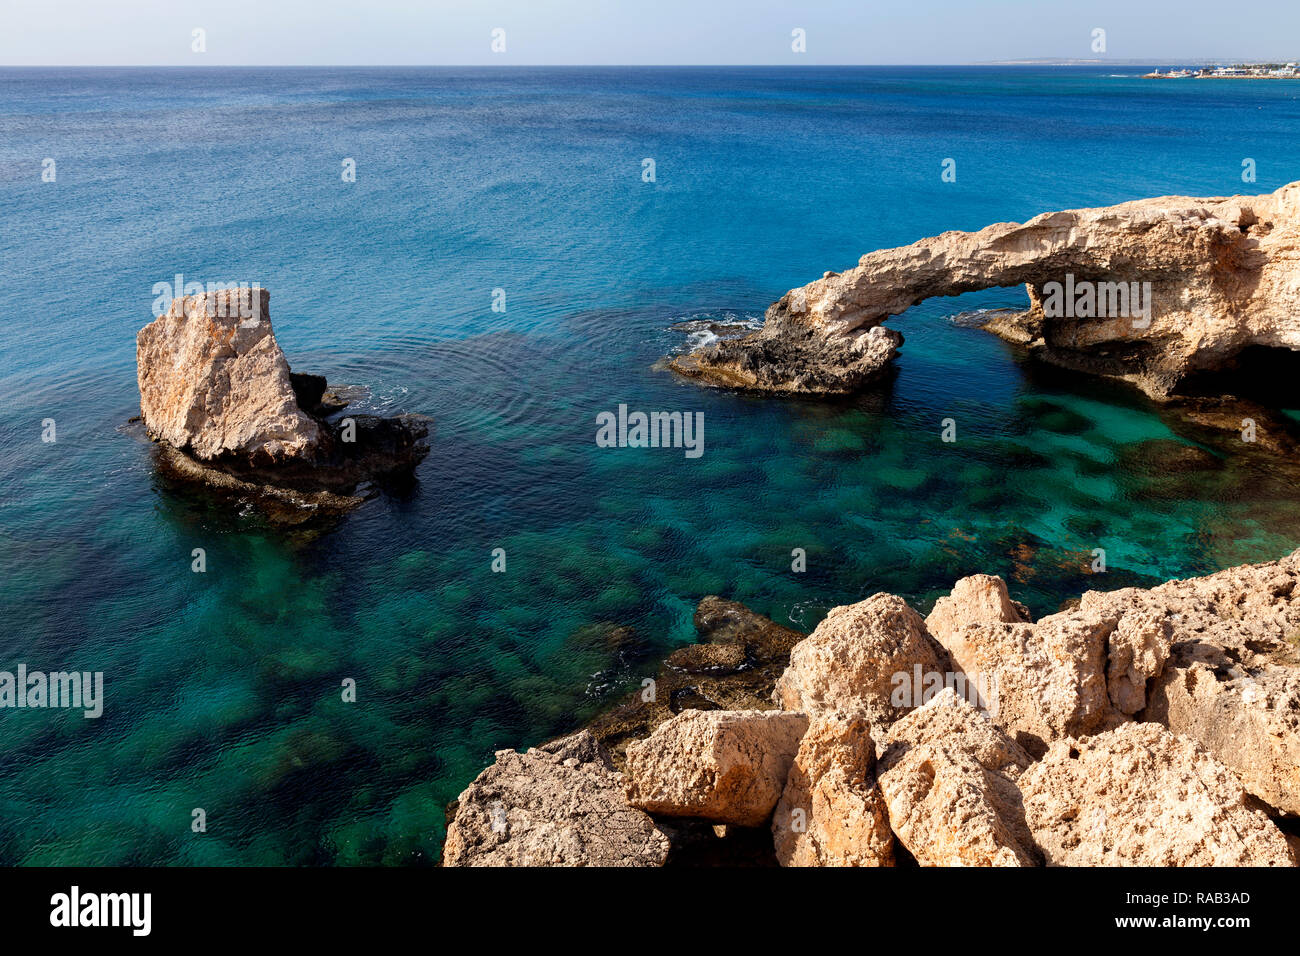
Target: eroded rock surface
(976, 599)
(949, 781)
(851, 662)
(1044, 681)
(723, 766)
(1139, 795)
(557, 805)
(1221, 273)
(831, 812)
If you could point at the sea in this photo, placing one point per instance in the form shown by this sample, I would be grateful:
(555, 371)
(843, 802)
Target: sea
(513, 252)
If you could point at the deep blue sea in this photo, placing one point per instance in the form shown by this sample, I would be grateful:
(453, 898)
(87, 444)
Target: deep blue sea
(222, 688)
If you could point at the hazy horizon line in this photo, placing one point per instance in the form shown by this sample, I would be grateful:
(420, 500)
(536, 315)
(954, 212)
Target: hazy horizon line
(1025, 61)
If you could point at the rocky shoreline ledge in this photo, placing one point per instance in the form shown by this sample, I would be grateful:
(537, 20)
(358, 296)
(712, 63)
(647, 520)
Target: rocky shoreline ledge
(1156, 727)
(1176, 287)
(220, 402)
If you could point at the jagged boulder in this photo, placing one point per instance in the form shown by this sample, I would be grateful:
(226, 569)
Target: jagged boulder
(214, 382)
(557, 805)
(857, 657)
(949, 717)
(719, 765)
(949, 781)
(1217, 659)
(1139, 795)
(977, 599)
(1044, 681)
(1251, 723)
(831, 812)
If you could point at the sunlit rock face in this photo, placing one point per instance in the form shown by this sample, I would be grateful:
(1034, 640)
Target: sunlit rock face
(213, 380)
(1151, 291)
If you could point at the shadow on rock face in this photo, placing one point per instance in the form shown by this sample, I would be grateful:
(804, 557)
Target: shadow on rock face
(226, 412)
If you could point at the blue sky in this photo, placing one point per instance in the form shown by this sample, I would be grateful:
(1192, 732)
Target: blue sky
(457, 32)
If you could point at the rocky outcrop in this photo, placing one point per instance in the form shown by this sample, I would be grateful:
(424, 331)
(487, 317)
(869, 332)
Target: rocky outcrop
(558, 805)
(1221, 275)
(214, 382)
(724, 766)
(217, 394)
(1139, 795)
(976, 599)
(1144, 727)
(852, 661)
(1231, 678)
(949, 781)
(733, 667)
(1251, 724)
(831, 812)
(1043, 681)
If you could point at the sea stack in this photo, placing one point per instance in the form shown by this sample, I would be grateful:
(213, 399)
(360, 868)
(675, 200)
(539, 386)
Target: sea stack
(218, 396)
(1155, 291)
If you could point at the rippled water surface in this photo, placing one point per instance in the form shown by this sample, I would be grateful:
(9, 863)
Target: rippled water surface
(223, 688)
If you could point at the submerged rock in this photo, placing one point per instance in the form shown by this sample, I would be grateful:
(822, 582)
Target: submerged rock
(1142, 796)
(216, 392)
(738, 659)
(557, 805)
(1219, 273)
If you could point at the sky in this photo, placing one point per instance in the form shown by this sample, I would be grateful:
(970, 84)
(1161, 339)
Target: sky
(460, 32)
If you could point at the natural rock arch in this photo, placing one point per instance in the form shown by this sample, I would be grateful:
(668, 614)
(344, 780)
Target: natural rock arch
(1213, 277)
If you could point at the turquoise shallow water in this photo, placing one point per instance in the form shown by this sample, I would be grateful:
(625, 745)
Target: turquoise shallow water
(223, 688)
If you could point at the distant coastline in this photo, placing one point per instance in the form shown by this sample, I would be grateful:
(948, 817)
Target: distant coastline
(1240, 71)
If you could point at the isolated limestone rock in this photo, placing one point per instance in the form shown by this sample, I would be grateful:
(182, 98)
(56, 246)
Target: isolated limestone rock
(214, 382)
(1221, 273)
(1139, 795)
(949, 781)
(217, 396)
(561, 805)
(724, 766)
(831, 812)
(850, 662)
